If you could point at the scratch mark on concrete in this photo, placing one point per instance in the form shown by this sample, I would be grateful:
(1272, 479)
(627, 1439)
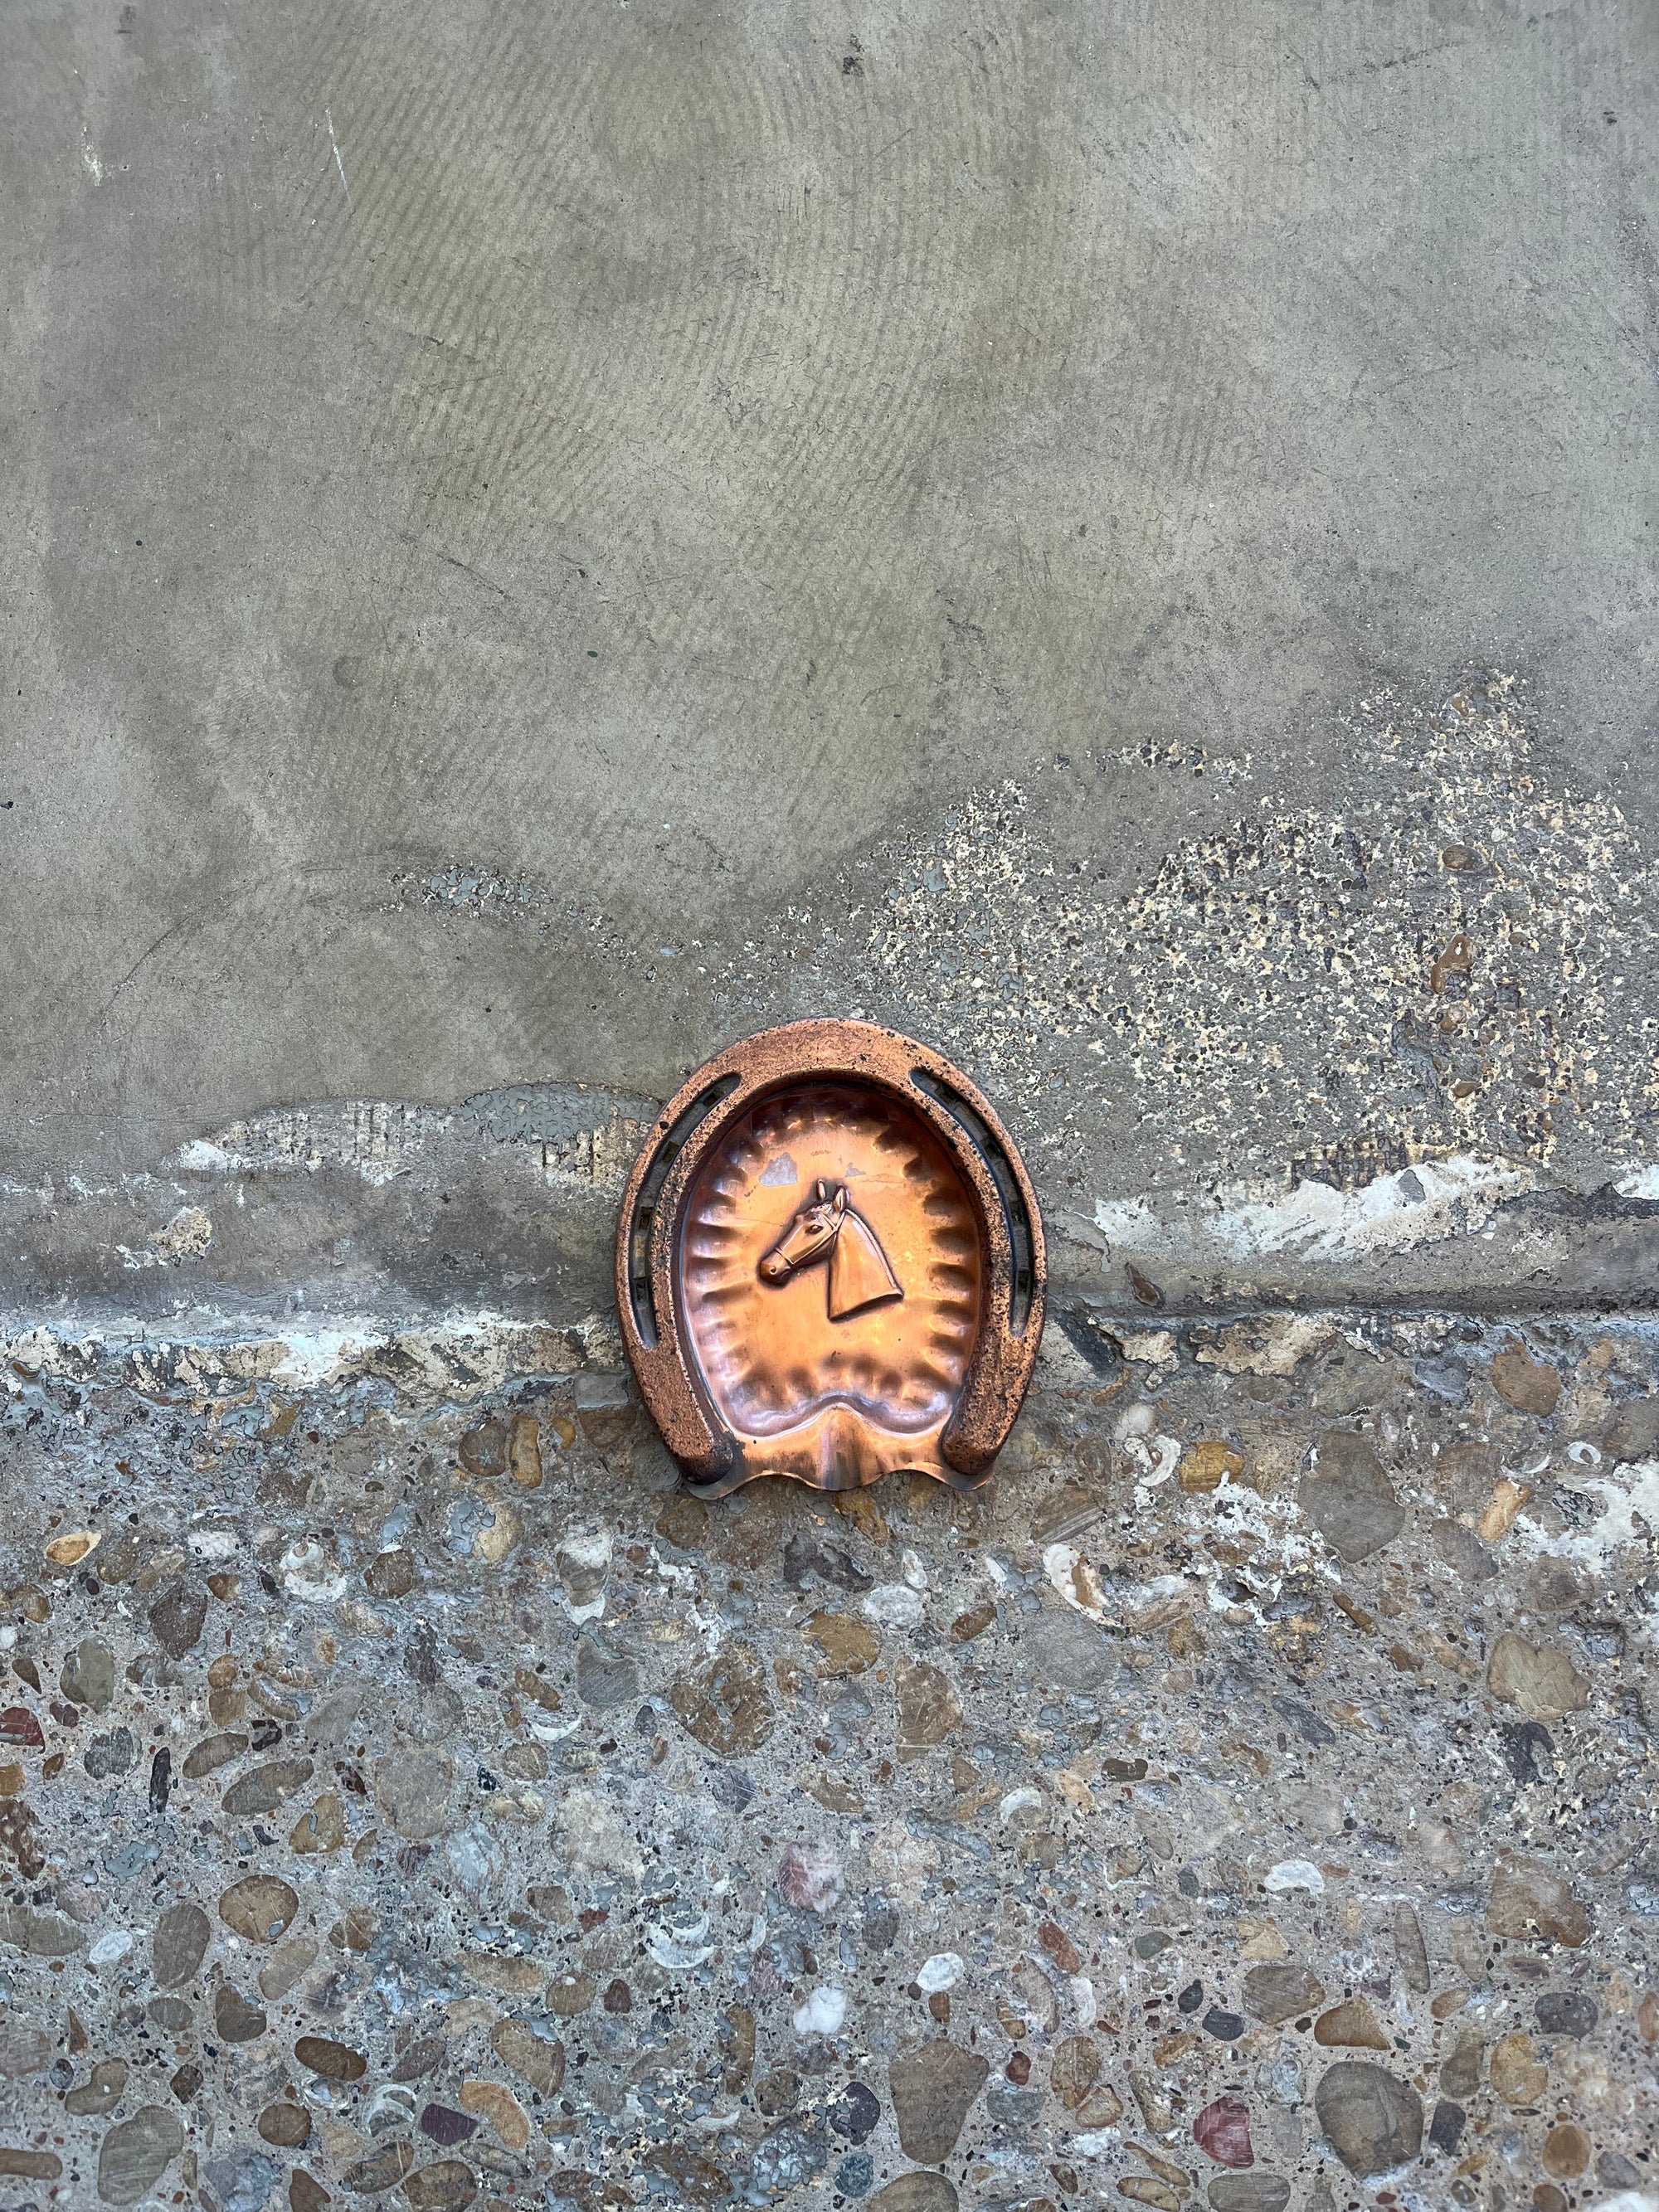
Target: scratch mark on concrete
(329, 118)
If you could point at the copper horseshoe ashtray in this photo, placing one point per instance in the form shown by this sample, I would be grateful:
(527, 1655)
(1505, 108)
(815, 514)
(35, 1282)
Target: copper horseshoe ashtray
(829, 1265)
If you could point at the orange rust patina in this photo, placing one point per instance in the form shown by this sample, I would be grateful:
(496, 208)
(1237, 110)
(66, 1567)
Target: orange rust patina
(829, 1265)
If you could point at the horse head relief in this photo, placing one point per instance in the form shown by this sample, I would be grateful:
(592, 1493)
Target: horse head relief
(828, 1226)
(838, 1147)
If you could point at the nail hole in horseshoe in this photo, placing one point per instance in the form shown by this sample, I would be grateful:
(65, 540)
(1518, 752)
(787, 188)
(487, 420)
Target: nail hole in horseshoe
(1013, 1206)
(640, 1295)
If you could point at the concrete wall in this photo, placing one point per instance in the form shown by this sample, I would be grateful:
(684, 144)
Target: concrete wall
(540, 539)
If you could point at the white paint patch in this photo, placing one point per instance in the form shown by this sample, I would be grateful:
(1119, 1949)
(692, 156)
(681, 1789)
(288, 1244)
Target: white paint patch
(781, 1174)
(1150, 1348)
(1629, 1515)
(1639, 1182)
(1421, 1205)
(310, 1570)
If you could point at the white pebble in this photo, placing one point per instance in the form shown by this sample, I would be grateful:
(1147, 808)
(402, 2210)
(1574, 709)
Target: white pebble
(892, 1605)
(1296, 1874)
(942, 1972)
(823, 2013)
(108, 1949)
(913, 1570)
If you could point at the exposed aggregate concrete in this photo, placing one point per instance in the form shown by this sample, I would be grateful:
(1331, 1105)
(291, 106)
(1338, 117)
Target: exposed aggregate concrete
(412, 1795)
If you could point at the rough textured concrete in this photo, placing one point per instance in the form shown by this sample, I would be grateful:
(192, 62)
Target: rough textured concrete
(1248, 1799)
(539, 537)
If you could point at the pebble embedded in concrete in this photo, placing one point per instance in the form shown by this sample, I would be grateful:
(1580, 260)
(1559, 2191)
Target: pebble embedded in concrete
(1268, 1851)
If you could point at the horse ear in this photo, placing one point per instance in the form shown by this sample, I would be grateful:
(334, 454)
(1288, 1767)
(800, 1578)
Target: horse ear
(840, 1200)
(823, 1193)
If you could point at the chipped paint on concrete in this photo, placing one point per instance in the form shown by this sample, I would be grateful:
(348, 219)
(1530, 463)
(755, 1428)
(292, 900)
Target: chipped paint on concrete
(579, 1136)
(1436, 1200)
(457, 1357)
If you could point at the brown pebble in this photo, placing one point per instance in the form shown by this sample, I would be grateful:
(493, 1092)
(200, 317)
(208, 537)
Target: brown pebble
(306, 2194)
(725, 1704)
(285, 1965)
(176, 1618)
(323, 1828)
(423, 2057)
(974, 1622)
(1529, 1900)
(684, 1522)
(932, 2089)
(495, 2103)
(266, 1787)
(334, 2062)
(1206, 1465)
(1147, 2189)
(234, 2019)
(382, 2169)
(1518, 2075)
(1540, 1678)
(213, 1751)
(443, 2187)
(1277, 1992)
(69, 1551)
(259, 1907)
(1351, 2025)
(102, 2091)
(1566, 2151)
(30, 2165)
(391, 1574)
(848, 1646)
(1060, 1947)
(929, 1708)
(287, 2126)
(179, 1944)
(1074, 2070)
(534, 2059)
(571, 1993)
(523, 1451)
(1529, 1385)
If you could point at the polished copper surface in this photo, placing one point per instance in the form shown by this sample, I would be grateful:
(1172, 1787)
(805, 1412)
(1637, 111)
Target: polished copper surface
(829, 1265)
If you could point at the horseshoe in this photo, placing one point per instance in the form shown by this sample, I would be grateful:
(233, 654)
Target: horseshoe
(845, 1143)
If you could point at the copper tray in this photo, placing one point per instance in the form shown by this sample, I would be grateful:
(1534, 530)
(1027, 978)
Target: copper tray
(829, 1265)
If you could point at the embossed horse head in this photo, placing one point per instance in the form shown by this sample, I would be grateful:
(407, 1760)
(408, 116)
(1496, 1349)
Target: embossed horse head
(828, 1227)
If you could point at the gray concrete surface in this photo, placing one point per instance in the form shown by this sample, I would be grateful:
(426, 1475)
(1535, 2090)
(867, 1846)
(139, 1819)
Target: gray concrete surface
(540, 538)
